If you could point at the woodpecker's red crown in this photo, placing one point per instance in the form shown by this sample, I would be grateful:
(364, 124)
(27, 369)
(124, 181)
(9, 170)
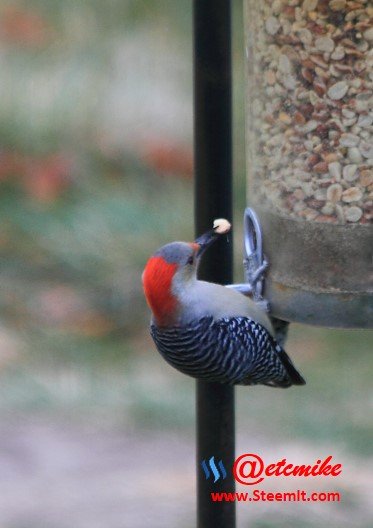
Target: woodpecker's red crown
(158, 277)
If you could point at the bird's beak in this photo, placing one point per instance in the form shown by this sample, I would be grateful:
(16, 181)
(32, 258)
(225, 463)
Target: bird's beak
(205, 241)
(221, 227)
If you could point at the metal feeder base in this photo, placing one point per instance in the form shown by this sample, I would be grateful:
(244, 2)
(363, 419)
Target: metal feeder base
(319, 274)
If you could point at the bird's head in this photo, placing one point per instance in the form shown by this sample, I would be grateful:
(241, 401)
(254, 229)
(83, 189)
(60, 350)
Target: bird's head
(168, 272)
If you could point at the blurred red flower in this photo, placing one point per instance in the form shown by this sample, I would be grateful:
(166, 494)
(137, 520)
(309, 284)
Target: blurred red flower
(23, 27)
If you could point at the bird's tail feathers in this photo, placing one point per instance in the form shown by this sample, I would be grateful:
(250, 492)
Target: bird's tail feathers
(295, 377)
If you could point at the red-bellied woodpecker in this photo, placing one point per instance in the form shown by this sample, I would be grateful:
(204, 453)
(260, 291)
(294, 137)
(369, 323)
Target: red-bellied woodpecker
(209, 331)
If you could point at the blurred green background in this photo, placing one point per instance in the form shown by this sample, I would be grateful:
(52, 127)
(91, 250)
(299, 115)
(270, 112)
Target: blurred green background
(95, 173)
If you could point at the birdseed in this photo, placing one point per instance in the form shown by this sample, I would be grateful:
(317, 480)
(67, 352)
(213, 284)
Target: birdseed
(310, 111)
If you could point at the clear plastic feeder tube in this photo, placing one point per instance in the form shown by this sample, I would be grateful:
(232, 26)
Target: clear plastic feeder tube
(309, 133)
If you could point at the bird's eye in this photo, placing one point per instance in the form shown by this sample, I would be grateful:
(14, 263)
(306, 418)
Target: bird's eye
(190, 260)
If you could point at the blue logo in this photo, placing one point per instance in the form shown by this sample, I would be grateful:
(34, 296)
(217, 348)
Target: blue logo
(214, 469)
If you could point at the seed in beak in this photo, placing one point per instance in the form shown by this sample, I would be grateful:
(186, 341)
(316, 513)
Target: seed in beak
(221, 226)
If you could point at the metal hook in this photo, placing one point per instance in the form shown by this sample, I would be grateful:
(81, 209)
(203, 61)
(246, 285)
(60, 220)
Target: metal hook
(254, 262)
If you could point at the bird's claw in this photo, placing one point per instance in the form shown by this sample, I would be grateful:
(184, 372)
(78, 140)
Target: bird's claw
(257, 274)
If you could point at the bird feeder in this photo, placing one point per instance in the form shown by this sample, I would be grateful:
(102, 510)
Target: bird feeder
(309, 107)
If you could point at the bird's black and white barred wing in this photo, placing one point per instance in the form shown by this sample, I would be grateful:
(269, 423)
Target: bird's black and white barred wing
(233, 350)
(266, 361)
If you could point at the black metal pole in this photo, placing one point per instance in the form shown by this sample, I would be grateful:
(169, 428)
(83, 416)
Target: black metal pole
(213, 199)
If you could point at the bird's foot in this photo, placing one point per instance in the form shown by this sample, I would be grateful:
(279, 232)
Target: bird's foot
(243, 288)
(254, 276)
